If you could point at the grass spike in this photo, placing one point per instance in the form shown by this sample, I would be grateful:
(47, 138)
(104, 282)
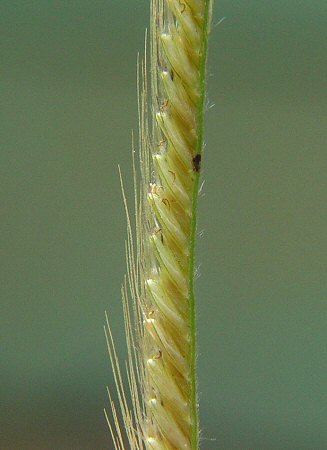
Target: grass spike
(161, 412)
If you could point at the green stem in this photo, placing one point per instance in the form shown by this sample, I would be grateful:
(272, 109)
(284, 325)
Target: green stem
(196, 184)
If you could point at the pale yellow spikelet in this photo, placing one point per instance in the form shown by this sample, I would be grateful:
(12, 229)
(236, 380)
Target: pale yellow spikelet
(160, 320)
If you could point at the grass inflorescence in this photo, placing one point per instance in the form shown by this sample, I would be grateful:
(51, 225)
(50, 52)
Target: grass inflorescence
(160, 315)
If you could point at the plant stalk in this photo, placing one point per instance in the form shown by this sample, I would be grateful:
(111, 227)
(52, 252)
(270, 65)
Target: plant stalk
(195, 197)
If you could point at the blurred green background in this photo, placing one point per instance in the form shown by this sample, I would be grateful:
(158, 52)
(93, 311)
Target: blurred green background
(68, 105)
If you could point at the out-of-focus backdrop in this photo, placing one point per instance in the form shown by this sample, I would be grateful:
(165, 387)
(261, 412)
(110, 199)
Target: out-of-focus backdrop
(68, 105)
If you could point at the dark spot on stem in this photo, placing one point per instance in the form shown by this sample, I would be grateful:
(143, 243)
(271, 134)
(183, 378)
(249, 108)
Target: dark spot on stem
(197, 163)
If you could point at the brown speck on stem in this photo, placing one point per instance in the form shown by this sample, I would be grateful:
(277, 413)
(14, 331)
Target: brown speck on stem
(197, 163)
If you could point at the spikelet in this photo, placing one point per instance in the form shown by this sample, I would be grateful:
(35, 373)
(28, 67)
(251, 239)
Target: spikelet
(160, 319)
